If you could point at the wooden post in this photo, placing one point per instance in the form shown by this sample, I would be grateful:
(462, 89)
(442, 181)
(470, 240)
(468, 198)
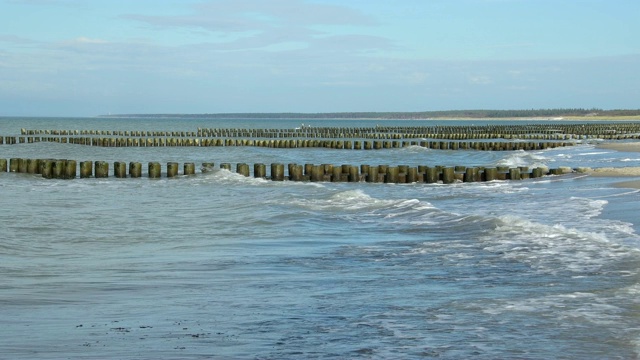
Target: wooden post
(58, 168)
(14, 164)
(259, 170)
(70, 169)
(101, 169)
(470, 174)
(317, 172)
(296, 173)
(277, 172)
(46, 168)
(189, 168)
(392, 175)
(336, 175)
(242, 169)
(135, 169)
(354, 176)
(154, 170)
(514, 174)
(33, 166)
(448, 175)
(372, 176)
(431, 175)
(172, 169)
(490, 174)
(120, 169)
(86, 169)
(412, 175)
(3, 165)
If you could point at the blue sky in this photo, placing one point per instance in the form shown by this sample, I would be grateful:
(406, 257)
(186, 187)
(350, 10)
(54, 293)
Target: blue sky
(91, 57)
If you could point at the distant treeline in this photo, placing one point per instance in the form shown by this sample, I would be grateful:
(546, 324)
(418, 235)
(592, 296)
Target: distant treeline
(475, 114)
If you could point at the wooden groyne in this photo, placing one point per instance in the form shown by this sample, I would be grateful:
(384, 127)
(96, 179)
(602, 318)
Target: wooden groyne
(462, 137)
(292, 143)
(396, 174)
(607, 131)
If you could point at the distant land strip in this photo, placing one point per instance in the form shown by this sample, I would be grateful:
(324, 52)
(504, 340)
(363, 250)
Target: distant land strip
(585, 114)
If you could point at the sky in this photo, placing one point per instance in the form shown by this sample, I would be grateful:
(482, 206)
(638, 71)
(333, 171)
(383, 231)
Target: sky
(97, 57)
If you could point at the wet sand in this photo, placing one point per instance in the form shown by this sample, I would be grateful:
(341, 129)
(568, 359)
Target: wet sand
(620, 172)
(625, 146)
(629, 184)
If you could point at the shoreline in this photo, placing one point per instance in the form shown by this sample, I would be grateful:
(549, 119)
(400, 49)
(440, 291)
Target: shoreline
(568, 119)
(635, 184)
(620, 146)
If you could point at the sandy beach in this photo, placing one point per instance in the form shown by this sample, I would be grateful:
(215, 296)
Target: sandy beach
(620, 172)
(624, 146)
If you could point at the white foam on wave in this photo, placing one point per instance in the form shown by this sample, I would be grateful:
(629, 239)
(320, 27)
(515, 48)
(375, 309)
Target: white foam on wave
(523, 158)
(570, 307)
(557, 247)
(224, 176)
(351, 200)
(416, 149)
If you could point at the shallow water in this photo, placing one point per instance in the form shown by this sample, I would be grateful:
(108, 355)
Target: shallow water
(218, 265)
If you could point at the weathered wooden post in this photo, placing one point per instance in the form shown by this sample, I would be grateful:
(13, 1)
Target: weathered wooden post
(536, 173)
(22, 165)
(490, 174)
(296, 172)
(14, 165)
(317, 172)
(514, 174)
(259, 170)
(172, 169)
(3, 165)
(120, 169)
(86, 169)
(277, 172)
(448, 175)
(307, 170)
(431, 175)
(58, 169)
(336, 175)
(354, 175)
(225, 166)
(33, 166)
(189, 168)
(243, 169)
(70, 169)
(392, 175)
(46, 168)
(470, 174)
(372, 176)
(155, 170)
(101, 169)
(412, 175)
(135, 169)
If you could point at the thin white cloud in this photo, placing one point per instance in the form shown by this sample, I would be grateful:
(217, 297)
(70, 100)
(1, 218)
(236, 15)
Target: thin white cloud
(250, 24)
(86, 40)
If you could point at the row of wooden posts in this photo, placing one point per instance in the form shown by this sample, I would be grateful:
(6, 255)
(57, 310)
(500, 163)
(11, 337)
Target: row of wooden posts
(282, 143)
(67, 169)
(461, 132)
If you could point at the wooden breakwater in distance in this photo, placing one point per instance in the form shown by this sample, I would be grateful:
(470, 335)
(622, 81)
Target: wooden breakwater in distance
(299, 143)
(396, 174)
(607, 131)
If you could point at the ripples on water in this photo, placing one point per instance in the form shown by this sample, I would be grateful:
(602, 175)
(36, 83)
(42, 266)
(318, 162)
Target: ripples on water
(218, 265)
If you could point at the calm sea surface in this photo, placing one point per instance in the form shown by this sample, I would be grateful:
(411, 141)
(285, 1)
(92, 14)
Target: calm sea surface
(217, 265)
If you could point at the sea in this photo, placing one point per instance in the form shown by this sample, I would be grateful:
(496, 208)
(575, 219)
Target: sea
(221, 266)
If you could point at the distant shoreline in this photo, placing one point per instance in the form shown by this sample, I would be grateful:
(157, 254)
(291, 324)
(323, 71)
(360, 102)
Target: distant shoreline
(319, 117)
